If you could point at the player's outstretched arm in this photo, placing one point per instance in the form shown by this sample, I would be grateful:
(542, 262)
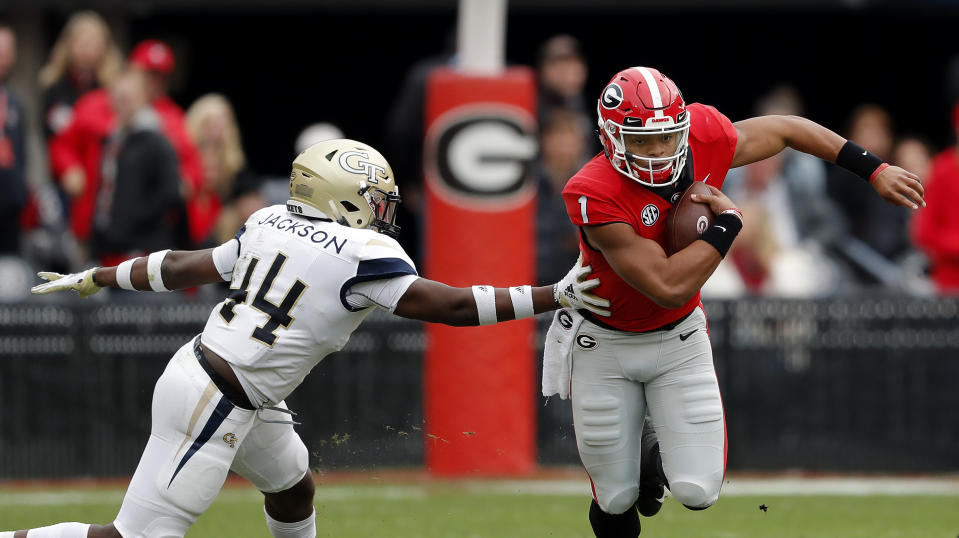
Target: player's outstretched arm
(765, 136)
(161, 271)
(432, 301)
(670, 281)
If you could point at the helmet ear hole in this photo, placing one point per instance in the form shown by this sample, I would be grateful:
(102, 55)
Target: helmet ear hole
(350, 207)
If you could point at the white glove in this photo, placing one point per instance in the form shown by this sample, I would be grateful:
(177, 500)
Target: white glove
(571, 291)
(81, 282)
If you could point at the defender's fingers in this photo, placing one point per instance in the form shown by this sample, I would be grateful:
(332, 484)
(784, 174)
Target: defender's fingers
(594, 299)
(598, 311)
(49, 275)
(589, 284)
(49, 287)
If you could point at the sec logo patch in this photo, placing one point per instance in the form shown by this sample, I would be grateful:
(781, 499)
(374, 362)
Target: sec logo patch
(650, 215)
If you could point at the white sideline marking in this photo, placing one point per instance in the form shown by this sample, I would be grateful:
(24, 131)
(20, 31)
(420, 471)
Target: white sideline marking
(732, 487)
(841, 486)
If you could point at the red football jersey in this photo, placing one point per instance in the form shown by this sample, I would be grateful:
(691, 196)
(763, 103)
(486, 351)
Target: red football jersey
(599, 194)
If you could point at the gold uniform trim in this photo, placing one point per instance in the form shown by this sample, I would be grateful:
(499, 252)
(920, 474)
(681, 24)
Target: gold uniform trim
(204, 399)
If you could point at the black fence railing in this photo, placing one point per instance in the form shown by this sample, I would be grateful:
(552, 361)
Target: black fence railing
(841, 384)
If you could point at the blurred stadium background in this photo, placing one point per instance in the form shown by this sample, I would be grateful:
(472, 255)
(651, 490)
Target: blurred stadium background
(854, 373)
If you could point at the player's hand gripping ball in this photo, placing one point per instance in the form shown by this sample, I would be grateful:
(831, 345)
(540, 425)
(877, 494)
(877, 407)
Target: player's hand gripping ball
(688, 220)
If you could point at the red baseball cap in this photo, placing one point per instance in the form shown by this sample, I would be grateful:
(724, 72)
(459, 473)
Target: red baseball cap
(153, 55)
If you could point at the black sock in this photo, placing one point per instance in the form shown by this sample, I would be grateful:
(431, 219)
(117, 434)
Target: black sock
(659, 466)
(625, 525)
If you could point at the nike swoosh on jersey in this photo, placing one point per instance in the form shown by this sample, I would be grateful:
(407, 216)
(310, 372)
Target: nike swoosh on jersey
(683, 337)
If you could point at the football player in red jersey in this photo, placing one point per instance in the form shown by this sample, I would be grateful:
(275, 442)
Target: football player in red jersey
(653, 354)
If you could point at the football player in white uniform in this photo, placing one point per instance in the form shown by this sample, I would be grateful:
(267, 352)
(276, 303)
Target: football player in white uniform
(303, 277)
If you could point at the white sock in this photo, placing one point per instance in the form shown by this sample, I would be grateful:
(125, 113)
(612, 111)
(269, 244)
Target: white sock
(61, 530)
(6, 534)
(299, 529)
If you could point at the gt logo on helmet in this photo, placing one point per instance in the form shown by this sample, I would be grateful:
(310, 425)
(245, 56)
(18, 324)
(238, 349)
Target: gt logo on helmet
(362, 166)
(612, 96)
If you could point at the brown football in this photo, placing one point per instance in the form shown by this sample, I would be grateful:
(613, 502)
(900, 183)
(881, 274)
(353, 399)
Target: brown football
(688, 219)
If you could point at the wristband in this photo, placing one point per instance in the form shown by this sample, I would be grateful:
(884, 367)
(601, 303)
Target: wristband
(724, 230)
(858, 160)
(735, 212)
(123, 275)
(522, 297)
(153, 270)
(875, 173)
(485, 297)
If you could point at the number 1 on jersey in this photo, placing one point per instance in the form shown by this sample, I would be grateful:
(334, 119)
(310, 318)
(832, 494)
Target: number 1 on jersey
(582, 208)
(278, 314)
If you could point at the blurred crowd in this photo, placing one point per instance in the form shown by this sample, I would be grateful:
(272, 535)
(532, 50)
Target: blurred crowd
(128, 171)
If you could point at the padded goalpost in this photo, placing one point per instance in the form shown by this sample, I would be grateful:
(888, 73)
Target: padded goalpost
(480, 146)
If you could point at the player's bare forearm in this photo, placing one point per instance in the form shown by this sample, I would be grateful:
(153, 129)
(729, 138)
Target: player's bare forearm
(669, 281)
(435, 302)
(765, 136)
(181, 269)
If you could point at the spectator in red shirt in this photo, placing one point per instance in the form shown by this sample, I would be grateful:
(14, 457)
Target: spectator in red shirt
(212, 124)
(139, 207)
(935, 228)
(75, 152)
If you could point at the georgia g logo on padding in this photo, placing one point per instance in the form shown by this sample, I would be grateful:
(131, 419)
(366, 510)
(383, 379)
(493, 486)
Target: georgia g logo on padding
(612, 96)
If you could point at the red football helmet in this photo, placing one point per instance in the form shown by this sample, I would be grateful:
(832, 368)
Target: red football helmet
(643, 101)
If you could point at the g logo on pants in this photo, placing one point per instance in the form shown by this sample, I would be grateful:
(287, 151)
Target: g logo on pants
(586, 341)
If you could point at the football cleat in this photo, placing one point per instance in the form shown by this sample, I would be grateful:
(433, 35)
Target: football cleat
(652, 484)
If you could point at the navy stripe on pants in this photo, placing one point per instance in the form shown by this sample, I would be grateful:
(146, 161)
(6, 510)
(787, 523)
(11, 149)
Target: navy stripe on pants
(223, 408)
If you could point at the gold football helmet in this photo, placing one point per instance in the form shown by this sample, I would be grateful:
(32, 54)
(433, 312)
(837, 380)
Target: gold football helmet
(345, 181)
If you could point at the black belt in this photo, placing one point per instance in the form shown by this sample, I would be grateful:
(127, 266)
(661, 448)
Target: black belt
(235, 395)
(592, 318)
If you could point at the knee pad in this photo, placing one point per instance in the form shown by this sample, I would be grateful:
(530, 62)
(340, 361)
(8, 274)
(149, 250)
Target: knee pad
(620, 502)
(692, 495)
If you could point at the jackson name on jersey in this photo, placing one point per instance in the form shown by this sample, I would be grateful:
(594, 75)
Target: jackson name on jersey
(292, 300)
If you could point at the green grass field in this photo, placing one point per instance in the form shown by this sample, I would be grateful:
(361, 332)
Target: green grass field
(511, 509)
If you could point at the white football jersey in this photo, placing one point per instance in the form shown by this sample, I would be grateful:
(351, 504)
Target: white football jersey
(290, 301)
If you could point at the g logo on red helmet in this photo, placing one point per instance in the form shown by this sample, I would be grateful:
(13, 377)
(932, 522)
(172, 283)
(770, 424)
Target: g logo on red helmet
(612, 96)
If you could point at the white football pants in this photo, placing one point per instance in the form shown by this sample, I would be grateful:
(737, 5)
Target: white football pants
(196, 437)
(616, 378)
